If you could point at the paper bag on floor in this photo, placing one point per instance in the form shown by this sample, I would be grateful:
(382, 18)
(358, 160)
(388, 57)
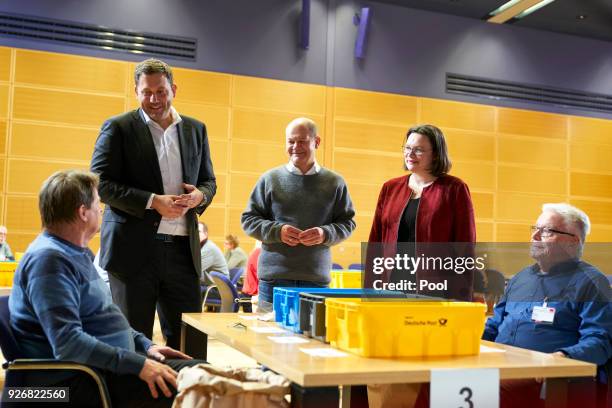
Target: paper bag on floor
(205, 386)
(392, 395)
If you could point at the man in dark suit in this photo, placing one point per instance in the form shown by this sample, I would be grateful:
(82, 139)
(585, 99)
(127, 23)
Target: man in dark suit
(155, 175)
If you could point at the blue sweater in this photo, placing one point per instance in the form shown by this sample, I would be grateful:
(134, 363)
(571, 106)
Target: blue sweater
(60, 308)
(582, 326)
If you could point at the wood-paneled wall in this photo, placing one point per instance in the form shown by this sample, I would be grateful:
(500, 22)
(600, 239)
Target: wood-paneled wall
(52, 105)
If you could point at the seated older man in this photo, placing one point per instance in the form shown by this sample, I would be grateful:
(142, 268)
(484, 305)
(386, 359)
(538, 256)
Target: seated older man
(559, 305)
(60, 307)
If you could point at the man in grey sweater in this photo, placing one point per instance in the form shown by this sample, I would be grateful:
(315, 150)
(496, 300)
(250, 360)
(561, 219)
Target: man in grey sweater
(298, 211)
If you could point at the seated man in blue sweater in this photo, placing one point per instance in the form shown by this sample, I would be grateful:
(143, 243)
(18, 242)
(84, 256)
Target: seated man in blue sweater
(559, 305)
(60, 307)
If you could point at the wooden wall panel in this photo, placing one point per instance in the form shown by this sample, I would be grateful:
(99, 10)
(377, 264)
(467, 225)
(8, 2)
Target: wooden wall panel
(22, 213)
(375, 106)
(220, 197)
(234, 224)
(483, 204)
(364, 196)
(241, 186)
(484, 232)
(476, 175)
(362, 232)
(531, 180)
(46, 141)
(27, 176)
(267, 126)
(513, 232)
(4, 98)
(279, 95)
(543, 153)
(366, 168)
(591, 157)
(216, 118)
(600, 233)
(19, 240)
(467, 145)
(65, 107)
(3, 136)
(366, 136)
(202, 87)
(596, 185)
(214, 217)
(590, 130)
(218, 154)
(3, 172)
(257, 158)
(457, 115)
(599, 212)
(70, 72)
(530, 123)
(5, 63)
(522, 207)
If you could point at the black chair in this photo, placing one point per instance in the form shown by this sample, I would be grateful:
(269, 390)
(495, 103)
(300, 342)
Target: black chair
(16, 365)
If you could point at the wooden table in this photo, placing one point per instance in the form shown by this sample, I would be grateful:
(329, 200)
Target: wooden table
(316, 379)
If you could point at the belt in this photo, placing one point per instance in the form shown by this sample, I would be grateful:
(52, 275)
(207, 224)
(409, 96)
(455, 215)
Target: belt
(171, 238)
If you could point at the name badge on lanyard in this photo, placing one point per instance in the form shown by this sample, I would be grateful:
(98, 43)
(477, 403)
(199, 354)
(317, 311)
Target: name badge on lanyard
(543, 314)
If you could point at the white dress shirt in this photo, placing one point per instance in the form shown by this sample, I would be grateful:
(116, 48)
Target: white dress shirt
(169, 157)
(294, 170)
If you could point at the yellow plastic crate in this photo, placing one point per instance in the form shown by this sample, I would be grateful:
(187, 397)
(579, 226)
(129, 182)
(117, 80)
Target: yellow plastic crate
(345, 279)
(404, 328)
(6, 278)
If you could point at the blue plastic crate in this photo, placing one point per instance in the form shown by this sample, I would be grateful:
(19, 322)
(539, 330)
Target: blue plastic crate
(287, 303)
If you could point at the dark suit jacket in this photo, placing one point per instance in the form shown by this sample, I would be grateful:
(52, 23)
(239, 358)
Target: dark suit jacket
(126, 161)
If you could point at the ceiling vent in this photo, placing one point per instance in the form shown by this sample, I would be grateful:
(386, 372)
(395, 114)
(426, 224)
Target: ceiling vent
(502, 90)
(93, 36)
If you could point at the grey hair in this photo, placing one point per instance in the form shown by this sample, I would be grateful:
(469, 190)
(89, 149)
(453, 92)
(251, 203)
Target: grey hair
(307, 123)
(571, 216)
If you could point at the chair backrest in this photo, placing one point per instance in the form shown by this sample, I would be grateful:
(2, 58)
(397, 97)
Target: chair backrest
(8, 342)
(355, 267)
(235, 274)
(337, 266)
(227, 291)
(610, 279)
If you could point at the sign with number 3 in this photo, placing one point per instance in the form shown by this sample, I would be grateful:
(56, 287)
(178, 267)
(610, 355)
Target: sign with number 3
(478, 388)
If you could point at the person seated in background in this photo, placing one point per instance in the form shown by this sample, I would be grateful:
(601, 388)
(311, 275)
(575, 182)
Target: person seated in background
(234, 255)
(5, 250)
(212, 257)
(60, 307)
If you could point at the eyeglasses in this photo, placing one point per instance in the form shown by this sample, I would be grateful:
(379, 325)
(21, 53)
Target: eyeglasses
(548, 232)
(417, 151)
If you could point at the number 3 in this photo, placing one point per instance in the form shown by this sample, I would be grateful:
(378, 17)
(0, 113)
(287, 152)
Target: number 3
(469, 396)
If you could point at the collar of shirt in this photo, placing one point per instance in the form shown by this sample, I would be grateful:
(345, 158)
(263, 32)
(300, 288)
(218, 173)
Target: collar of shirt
(176, 118)
(569, 265)
(294, 170)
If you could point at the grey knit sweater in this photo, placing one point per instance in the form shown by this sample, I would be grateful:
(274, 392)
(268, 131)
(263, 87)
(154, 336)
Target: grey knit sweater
(318, 200)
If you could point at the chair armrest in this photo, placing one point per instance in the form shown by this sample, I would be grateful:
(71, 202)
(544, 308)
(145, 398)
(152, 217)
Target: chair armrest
(52, 364)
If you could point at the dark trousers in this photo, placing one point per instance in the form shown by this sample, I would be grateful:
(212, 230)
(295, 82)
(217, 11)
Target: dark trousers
(125, 390)
(168, 281)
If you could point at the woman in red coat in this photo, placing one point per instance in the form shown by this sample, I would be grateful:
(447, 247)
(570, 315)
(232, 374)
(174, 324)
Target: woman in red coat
(425, 206)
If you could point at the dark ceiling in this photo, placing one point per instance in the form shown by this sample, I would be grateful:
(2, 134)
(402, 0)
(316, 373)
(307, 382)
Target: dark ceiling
(584, 18)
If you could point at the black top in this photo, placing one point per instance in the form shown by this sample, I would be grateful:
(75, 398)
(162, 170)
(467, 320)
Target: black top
(407, 227)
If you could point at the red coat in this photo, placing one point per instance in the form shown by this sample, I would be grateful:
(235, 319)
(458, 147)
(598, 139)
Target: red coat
(445, 211)
(445, 214)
